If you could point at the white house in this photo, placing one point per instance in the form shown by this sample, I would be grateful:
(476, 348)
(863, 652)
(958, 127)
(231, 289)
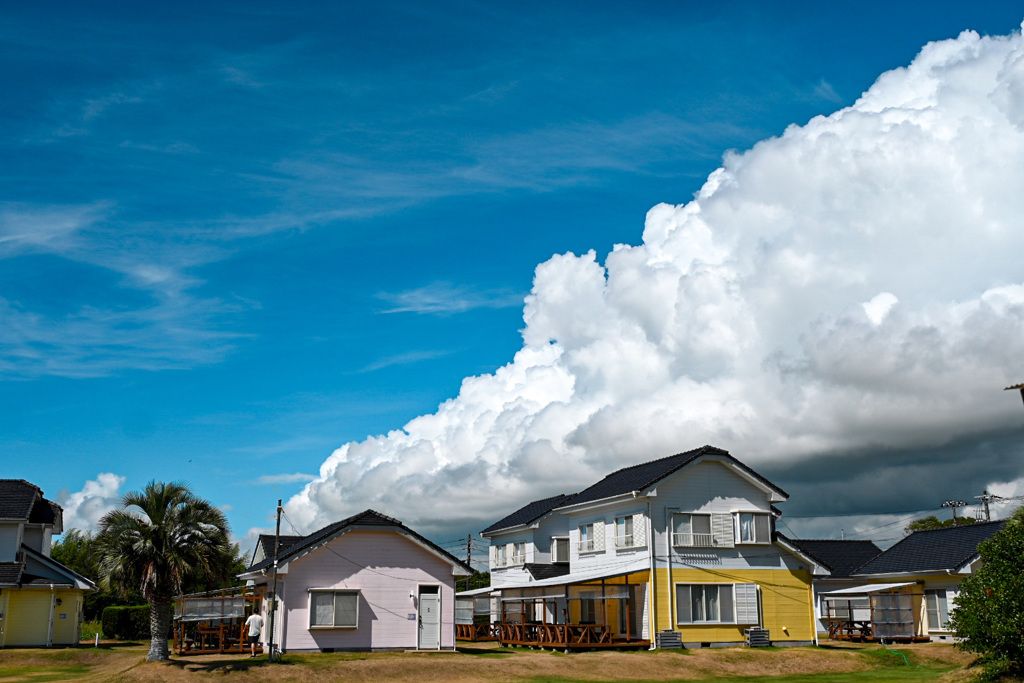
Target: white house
(365, 583)
(684, 547)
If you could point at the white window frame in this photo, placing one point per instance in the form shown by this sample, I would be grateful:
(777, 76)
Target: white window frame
(743, 599)
(690, 539)
(626, 539)
(518, 554)
(334, 593)
(756, 535)
(555, 540)
(499, 555)
(586, 543)
(937, 601)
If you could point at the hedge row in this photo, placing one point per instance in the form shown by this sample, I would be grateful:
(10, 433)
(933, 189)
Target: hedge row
(126, 623)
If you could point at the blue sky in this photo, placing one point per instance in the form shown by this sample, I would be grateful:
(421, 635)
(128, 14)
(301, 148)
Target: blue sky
(235, 236)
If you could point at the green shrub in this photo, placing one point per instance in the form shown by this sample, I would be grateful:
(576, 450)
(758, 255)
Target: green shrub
(90, 629)
(126, 623)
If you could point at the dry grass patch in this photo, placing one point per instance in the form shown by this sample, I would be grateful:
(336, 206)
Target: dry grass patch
(479, 662)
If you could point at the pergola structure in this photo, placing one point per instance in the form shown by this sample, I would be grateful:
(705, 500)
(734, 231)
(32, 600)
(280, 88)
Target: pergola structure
(875, 612)
(213, 622)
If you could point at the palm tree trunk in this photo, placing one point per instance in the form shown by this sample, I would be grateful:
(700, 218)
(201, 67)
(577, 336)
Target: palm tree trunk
(160, 613)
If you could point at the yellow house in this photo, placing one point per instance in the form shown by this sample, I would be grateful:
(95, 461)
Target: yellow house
(40, 599)
(680, 550)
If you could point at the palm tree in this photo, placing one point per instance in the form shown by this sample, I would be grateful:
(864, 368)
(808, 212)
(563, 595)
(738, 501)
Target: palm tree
(161, 537)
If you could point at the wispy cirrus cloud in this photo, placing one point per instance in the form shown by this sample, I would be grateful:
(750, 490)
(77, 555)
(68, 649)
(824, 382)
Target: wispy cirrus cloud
(404, 359)
(444, 298)
(268, 479)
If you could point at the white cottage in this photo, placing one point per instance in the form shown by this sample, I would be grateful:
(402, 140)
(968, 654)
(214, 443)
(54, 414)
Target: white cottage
(365, 583)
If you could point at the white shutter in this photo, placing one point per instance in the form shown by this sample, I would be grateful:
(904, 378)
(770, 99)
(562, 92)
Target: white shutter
(746, 603)
(494, 556)
(598, 535)
(639, 531)
(721, 530)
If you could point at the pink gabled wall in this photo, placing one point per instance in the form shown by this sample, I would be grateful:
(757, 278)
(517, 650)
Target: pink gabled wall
(385, 567)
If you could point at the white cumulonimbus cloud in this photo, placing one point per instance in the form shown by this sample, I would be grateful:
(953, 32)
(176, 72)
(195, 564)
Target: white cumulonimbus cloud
(856, 282)
(83, 509)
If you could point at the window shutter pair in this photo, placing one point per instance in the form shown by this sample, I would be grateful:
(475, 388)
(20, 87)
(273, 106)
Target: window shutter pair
(746, 603)
(639, 530)
(721, 529)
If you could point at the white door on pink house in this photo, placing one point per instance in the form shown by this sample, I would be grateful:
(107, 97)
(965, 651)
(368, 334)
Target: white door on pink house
(429, 618)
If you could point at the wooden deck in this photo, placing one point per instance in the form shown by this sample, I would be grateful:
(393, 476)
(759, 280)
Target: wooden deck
(564, 636)
(476, 633)
(864, 632)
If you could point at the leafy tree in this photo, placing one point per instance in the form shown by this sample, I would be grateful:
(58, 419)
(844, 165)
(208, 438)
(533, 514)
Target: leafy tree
(163, 537)
(933, 522)
(77, 550)
(989, 613)
(479, 579)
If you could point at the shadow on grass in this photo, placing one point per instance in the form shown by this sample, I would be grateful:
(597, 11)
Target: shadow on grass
(214, 664)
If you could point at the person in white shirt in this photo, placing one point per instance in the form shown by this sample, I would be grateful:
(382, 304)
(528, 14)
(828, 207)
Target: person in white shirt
(255, 624)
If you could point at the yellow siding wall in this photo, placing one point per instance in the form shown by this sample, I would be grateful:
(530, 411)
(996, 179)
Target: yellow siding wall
(785, 601)
(65, 631)
(28, 618)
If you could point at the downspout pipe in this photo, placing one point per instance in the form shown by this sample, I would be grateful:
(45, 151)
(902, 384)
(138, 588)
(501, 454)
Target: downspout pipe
(654, 578)
(668, 557)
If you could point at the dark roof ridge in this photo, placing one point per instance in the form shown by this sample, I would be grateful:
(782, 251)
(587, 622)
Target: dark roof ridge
(531, 512)
(706, 449)
(645, 475)
(306, 542)
(955, 526)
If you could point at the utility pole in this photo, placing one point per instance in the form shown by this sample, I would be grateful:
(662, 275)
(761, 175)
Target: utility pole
(985, 499)
(273, 592)
(469, 558)
(954, 504)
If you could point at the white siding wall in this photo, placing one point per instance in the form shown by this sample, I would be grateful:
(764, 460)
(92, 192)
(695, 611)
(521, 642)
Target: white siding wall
(33, 538)
(511, 574)
(10, 541)
(603, 519)
(712, 487)
(386, 567)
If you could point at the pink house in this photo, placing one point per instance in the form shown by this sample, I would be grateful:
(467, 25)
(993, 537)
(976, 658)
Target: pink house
(365, 583)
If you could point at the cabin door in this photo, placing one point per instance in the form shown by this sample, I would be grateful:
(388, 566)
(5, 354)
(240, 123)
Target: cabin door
(429, 618)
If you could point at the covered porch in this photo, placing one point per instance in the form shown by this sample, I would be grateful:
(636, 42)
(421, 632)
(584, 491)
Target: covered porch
(609, 612)
(214, 622)
(889, 612)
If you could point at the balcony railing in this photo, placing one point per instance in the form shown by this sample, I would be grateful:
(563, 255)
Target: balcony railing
(624, 541)
(693, 540)
(586, 546)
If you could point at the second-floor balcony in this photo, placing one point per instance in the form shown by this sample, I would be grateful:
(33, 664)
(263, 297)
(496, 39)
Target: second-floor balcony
(509, 561)
(693, 540)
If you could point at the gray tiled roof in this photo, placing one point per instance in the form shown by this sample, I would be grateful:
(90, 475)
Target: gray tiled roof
(933, 550)
(267, 541)
(529, 513)
(841, 557)
(363, 519)
(546, 571)
(22, 500)
(10, 572)
(643, 476)
(17, 498)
